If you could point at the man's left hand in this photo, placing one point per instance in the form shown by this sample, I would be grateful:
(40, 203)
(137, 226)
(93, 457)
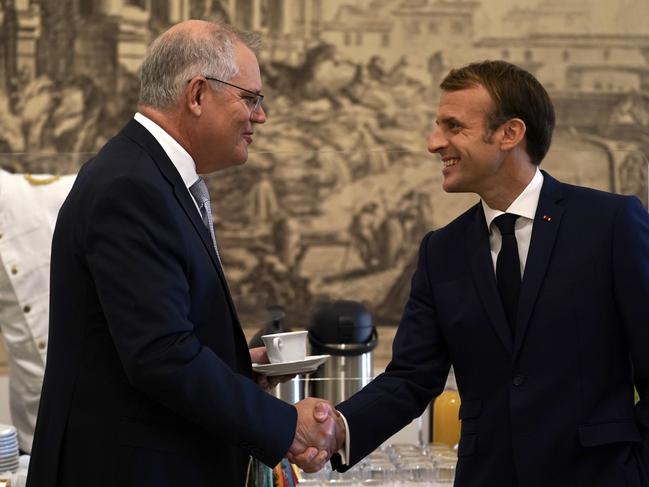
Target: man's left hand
(258, 355)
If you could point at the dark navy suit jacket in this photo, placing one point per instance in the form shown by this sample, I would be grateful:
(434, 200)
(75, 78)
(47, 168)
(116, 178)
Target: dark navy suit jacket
(148, 378)
(555, 405)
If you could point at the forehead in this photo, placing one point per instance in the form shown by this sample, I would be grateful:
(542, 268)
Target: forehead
(466, 104)
(248, 74)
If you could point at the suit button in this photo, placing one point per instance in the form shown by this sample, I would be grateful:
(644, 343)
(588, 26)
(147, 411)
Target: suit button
(27, 308)
(14, 270)
(41, 344)
(519, 380)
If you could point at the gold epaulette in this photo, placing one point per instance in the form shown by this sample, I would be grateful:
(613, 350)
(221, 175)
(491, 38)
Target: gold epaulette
(34, 181)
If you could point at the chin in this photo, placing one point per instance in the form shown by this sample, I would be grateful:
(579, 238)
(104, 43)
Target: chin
(450, 187)
(240, 160)
(241, 157)
(457, 185)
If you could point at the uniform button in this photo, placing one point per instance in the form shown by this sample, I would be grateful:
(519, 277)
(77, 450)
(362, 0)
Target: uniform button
(27, 308)
(0, 235)
(519, 380)
(14, 270)
(41, 344)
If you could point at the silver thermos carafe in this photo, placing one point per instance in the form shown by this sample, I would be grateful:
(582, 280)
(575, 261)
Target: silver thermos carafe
(344, 330)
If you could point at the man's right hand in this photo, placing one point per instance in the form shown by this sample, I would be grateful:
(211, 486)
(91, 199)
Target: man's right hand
(320, 432)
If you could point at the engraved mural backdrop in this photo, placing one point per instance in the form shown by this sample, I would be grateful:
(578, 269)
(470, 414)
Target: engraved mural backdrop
(339, 188)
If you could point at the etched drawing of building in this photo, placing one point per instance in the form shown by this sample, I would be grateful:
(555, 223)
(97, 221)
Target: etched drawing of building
(408, 29)
(286, 25)
(557, 16)
(589, 74)
(64, 38)
(19, 34)
(577, 62)
(277, 18)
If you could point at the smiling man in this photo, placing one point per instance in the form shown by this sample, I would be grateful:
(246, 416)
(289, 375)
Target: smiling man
(149, 379)
(538, 298)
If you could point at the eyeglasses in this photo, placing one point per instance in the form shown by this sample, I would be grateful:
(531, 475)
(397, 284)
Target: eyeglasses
(253, 101)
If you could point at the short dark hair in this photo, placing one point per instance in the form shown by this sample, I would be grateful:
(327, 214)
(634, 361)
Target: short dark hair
(516, 93)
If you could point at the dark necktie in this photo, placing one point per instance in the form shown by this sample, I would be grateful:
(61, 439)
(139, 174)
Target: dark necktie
(202, 196)
(508, 268)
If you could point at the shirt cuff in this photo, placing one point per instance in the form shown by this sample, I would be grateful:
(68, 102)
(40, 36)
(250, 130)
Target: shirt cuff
(344, 451)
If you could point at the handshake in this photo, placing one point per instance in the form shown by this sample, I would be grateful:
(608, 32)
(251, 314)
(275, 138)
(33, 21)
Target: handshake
(320, 432)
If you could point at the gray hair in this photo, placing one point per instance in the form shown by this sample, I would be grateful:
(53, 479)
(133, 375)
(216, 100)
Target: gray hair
(176, 56)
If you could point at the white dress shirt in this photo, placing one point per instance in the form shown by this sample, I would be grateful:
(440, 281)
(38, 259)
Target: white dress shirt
(524, 206)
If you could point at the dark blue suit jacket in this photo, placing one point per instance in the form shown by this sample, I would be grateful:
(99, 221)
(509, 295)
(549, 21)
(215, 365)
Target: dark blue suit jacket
(554, 406)
(148, 378)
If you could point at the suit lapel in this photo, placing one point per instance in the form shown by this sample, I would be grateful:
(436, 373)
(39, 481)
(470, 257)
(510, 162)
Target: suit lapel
(484, 277)
(544, 232)
(136, 132)
(143, 137)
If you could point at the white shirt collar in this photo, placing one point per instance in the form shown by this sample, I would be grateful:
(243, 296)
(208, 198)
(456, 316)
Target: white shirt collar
(180, 158)
(524, 205)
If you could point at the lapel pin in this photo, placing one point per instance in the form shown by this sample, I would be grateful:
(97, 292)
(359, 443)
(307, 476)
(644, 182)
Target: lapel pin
(547, 218)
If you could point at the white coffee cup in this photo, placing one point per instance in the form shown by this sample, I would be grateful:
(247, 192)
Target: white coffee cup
(285, 347)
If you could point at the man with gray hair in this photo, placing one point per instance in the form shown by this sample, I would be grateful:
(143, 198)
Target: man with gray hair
(149, 379)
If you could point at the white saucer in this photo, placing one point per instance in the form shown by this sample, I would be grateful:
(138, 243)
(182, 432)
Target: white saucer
(309, 364)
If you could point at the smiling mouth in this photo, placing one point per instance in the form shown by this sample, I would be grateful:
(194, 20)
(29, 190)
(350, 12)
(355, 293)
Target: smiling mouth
(450, 162)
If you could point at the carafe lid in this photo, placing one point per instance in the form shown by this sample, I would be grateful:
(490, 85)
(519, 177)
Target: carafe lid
(342, 327)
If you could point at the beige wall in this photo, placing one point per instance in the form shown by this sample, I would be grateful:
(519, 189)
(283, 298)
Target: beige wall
(342, 161)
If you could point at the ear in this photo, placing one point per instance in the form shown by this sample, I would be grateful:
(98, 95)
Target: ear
(195, 94)
(513, 133)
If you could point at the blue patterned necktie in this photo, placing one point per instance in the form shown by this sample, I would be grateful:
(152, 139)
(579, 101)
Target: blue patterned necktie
(202, 197)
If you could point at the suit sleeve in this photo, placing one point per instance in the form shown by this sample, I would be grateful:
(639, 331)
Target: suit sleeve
(631, 264)
(416, 373)
(137, 257)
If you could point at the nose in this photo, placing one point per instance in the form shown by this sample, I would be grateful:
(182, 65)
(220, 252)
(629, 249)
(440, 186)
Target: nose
(259, 115)
(436, 140)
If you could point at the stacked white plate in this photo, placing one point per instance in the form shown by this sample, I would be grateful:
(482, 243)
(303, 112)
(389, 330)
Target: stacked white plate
(8, 449)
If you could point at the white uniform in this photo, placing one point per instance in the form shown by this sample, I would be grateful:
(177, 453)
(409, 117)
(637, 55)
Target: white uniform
(28, 209)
